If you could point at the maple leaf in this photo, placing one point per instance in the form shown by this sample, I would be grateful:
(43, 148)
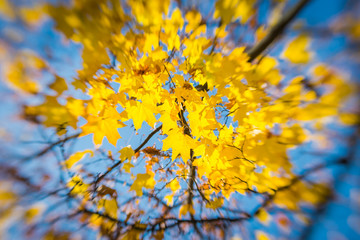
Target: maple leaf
(179, 143)
(296, 51)
(59, 85)
(145, 180)
(104, 126)
(140, 112)
(126, 153)
(215, 203)
(76, 157)
(111, 207)
(185, 209)
(127, 167)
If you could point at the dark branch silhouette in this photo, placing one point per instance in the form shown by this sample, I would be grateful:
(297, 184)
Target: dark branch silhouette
(276, 30)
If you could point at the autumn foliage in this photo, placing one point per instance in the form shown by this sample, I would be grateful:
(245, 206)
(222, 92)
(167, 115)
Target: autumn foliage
(180, 123)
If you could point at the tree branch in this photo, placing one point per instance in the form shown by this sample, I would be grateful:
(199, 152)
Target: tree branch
(51, 146)
(136, 150)
(276, 30)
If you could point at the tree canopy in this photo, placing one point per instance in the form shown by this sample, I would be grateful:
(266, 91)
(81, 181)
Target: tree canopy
(231, 119)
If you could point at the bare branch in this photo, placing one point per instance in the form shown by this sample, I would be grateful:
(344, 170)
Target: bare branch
(136, 150)
(276, 30)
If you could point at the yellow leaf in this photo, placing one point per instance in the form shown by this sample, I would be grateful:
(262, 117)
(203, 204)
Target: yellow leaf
(111, 207)
(127, 167)
(193, 18)
(176, 19)
(169, 199)
(315, 110)
(54, 114)
(149, 12)
(230, 10)
(179, 143)
(215, 203)
(260, 33)
(293, 135)
(297, 52)
(59, 85)
(320, 70)
(32, 15)
(30, 214)
(76, 107)
(126, 153)
(220, 32)
(174, 185)
(145, 180)
(185, 209)
(349, 118)
(354, 29)
(261, 236)
(76, 157)
(169, 117)
(104, 126)
(140, 112)
(132, 234)
(77, 186)
(263, 216)
(6, 9)
(17, 75)
(6, 197)
(95, 221)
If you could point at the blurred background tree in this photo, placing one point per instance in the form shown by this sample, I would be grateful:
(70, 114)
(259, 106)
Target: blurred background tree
(234, 119)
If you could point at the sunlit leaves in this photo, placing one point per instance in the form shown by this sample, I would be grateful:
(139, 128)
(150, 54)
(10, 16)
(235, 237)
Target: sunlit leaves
(53, 114)
(193, 20)
(23, 71)
(224, 126)
(310, 194)
(149, 13)
(230, 10)
(293, 135)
